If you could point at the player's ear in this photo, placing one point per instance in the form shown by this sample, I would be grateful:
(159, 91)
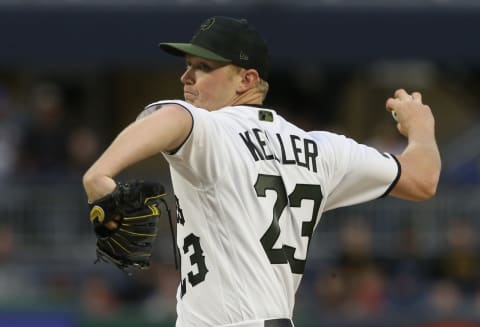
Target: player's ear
(249, 79)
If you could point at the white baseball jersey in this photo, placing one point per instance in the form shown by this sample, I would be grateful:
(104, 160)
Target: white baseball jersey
(251, 189)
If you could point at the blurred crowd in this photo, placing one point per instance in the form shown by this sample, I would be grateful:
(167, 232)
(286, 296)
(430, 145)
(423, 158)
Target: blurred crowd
(360, 284)
(40, 139)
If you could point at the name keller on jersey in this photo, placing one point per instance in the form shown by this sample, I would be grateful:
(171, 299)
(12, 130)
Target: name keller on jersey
(301, 152)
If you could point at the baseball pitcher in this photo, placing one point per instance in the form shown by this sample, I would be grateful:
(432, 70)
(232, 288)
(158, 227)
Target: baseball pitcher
(251, 187)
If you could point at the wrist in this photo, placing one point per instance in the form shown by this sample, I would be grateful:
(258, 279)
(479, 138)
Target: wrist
(97, 186)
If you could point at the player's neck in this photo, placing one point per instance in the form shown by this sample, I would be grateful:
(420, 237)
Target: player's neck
(250, 97)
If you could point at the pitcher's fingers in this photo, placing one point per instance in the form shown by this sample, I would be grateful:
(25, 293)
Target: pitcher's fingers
(417, 96)
(111, 225)
(402, 94)
(391, 103)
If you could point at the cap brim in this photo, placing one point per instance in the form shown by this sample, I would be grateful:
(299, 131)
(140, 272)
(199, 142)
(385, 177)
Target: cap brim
(180, 49)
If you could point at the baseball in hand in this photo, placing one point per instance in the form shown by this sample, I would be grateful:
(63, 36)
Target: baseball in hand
(394, 115)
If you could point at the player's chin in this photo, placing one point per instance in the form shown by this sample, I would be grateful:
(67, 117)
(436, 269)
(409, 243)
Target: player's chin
(194, 101)
(189, 97)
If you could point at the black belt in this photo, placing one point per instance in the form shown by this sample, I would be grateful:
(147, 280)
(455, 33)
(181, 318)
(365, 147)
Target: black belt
(278, 323)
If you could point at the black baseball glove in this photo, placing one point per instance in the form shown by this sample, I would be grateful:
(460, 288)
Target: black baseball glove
(131, 213)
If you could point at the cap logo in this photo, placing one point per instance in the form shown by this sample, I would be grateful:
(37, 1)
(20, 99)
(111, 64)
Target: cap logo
(207, 24)
(243, 56)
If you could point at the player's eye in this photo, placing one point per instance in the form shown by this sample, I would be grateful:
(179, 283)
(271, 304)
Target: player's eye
(204, 67)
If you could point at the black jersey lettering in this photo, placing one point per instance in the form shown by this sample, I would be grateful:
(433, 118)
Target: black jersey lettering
(259, 134)
(311, 154)
(297, 148)
(294, 150)
(285, 160)
(254, 150)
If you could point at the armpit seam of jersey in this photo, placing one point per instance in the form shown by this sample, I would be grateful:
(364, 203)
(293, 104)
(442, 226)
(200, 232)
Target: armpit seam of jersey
(203, 187)
(189, 133)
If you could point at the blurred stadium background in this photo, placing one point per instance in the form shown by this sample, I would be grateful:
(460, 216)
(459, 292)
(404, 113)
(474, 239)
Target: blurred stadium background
(73, 73)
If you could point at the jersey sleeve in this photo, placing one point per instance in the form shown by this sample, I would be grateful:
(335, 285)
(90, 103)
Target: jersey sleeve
(354, 173)
(198, 159)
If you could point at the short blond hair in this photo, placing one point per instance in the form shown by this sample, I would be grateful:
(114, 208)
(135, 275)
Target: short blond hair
(262, 85)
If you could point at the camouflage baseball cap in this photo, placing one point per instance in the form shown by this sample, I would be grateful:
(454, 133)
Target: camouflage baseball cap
(228, 40)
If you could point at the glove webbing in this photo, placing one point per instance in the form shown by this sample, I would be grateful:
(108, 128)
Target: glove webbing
(101, 256)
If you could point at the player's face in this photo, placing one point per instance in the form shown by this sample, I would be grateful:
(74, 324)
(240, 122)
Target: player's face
(209, 84)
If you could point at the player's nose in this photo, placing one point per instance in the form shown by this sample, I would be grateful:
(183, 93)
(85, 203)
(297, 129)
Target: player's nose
(187, 77)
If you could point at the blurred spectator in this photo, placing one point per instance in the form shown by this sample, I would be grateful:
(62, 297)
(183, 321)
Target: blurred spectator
(161, 305)
(406, 289)
(445, 298)
(44, 150)
(9, 136)
(98, 297)
(59, 287)
(331, 293)
(15, 282)
(368, 293)
(6, 244)
(355, 253)
(459, 262)
(406, 270)
(83, 149)
(476, 302)
(358, 287)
